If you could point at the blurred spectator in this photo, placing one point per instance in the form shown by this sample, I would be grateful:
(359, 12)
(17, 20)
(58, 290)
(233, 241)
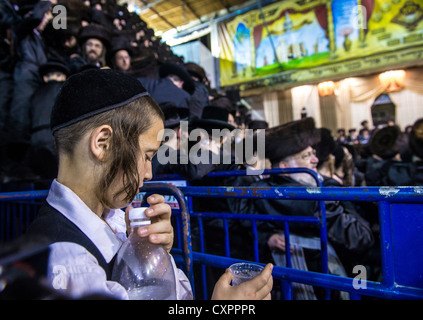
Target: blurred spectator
(352, 137)
(175, 85)
(31, 53)
(120, 54)
(95, 41)
(340, 135)
(200, 96)
(363, 136)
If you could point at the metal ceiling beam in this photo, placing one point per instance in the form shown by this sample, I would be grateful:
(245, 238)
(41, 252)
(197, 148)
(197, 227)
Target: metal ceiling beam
(224, 5)
(150, 4)
(160, 16)
(191, 9)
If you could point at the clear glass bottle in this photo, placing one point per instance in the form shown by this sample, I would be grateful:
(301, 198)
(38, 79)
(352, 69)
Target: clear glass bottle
(144, 269)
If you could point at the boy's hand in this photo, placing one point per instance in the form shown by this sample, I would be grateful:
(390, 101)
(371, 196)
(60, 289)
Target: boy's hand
(160, 231)
(257, 288)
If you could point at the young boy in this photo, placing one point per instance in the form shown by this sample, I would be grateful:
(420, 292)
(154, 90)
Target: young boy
(107, 129)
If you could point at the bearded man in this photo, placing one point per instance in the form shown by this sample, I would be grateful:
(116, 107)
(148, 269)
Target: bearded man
(95, 41)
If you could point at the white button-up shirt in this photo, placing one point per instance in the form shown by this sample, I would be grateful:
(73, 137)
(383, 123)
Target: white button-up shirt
(75, 271)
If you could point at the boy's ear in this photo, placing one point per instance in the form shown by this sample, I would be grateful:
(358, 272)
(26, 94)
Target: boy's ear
(100, 141)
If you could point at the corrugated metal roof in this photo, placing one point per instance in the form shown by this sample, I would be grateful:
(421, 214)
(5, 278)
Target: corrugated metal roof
(163, 15)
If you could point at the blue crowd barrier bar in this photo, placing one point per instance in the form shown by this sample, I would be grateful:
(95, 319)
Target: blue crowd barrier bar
(368, 194)
(334, 282)
(23, 195)
(17, 210)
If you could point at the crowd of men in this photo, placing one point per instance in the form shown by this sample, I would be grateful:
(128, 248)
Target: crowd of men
(38, 53)
(36, 59)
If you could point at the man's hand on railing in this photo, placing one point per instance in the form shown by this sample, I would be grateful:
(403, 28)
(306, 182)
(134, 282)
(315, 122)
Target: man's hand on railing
(277, 241)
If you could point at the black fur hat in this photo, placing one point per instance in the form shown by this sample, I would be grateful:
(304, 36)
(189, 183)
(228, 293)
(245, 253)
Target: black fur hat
(213, 117)
(290, 138)
(96, 31)
(91, 92)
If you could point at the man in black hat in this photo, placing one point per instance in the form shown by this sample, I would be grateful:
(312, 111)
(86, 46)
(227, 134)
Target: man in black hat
(40, 160)
(120, 54)
(175, 85)
(290, 146)
(95, 41)
(258, 124)
(211, 147)
(42, 149)
(194, 159)
(200, 97)
(325, 150)
(31, 53)
(384, 167)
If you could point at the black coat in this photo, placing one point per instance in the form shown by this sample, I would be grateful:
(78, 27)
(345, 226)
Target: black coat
(389, 172)
(164, 91)
(41, 104)
(347, 230)
(32, 54)
(199, 99)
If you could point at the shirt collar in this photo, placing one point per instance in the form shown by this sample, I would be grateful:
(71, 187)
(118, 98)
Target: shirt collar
(73, 208)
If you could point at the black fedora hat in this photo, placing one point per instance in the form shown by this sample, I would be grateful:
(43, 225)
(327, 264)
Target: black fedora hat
(54, 65)
(173, 114)
(95, 31)
(258, 124)
(167, 69)
(196, 71)
(120, 43)
(212, 117)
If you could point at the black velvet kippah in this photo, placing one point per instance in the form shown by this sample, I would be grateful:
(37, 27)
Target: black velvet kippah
(91, 92)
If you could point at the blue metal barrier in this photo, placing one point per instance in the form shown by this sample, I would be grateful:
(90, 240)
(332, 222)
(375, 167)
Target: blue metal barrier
(17, 210)
(401, 268)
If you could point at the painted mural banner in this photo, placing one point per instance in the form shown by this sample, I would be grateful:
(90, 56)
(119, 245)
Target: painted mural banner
(288, 37)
